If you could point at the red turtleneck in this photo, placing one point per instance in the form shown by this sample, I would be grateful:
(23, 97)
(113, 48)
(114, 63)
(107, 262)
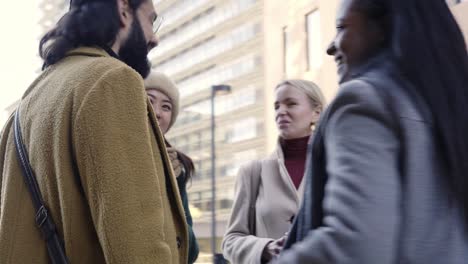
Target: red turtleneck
(295, 151)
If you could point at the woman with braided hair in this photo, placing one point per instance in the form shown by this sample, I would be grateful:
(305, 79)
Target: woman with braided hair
(388, 178)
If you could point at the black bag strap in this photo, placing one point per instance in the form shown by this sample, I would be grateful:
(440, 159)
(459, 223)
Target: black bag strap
(43, 219)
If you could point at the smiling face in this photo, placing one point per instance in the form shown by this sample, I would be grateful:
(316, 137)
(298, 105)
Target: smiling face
(294, 113)
(357, 39)
(162, 106)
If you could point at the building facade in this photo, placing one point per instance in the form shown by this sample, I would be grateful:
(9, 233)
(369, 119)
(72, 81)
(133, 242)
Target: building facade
(51, 11)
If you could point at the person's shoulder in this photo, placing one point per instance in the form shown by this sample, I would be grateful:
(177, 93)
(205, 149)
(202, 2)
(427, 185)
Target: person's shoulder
(108, 76)
(361, 94)
(249, 172)
(248, 165)
(357, 98)
(113, 71)
(358, 89)
(105, 80)
(95, 65)
(375, 86)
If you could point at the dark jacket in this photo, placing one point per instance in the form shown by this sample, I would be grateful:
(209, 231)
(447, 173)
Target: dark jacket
(193, 244)
(374, 191)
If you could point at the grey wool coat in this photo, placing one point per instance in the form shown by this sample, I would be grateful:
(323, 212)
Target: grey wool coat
(276, 202)
(374, 190)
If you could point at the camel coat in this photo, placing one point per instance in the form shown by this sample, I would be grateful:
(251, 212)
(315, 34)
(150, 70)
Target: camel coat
(101, 164)
(276, 204)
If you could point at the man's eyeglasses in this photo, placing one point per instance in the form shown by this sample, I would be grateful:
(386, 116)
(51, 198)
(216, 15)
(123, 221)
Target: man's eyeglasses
(157, 24)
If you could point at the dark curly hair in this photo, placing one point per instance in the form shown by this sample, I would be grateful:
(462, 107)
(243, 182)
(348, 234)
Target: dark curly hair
(87, 23)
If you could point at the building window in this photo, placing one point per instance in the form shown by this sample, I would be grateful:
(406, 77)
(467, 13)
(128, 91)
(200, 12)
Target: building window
(285, 50)
(242, 130)
(208, 49)
(314, 40)
(199, 24)
(180, 9)
(238, 99)
(204, 80)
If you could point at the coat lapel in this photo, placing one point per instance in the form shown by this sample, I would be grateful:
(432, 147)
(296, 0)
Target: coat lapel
(286, 178)
(171, 183)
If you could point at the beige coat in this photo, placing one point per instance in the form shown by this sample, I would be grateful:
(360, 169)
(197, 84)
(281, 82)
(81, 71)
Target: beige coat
(277, 202)
(99, 158)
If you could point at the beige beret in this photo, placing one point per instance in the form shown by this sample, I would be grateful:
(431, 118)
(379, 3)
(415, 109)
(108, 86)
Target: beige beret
(162, 83)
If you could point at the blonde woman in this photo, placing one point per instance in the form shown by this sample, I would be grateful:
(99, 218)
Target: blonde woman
(269, 191)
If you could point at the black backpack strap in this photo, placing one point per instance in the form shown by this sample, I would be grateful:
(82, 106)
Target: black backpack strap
(43, 219)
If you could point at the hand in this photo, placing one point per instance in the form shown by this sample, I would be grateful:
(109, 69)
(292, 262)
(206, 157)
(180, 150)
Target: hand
(273, 249)
(176, 165)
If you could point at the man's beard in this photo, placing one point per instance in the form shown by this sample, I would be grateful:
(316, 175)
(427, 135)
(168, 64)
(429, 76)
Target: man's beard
(134, 51)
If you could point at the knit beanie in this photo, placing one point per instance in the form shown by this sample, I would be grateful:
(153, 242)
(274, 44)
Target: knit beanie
(162, 83)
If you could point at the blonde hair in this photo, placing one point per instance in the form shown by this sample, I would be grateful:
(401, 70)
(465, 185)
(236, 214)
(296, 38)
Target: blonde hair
(312, 90)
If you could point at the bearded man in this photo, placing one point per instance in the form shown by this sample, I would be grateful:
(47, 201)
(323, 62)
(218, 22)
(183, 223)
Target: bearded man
(94, 146)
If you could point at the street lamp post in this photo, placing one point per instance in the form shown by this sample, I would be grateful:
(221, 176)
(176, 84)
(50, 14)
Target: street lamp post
(215, 89)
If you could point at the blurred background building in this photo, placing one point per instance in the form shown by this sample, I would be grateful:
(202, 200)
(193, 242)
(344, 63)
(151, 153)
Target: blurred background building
(51, 12)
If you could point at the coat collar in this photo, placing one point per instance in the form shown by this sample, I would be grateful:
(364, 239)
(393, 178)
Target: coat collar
(381, 58)
(168, 170)
(278, 155)
(93, 52)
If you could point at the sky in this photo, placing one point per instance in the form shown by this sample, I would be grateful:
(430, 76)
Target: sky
(19, 42)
